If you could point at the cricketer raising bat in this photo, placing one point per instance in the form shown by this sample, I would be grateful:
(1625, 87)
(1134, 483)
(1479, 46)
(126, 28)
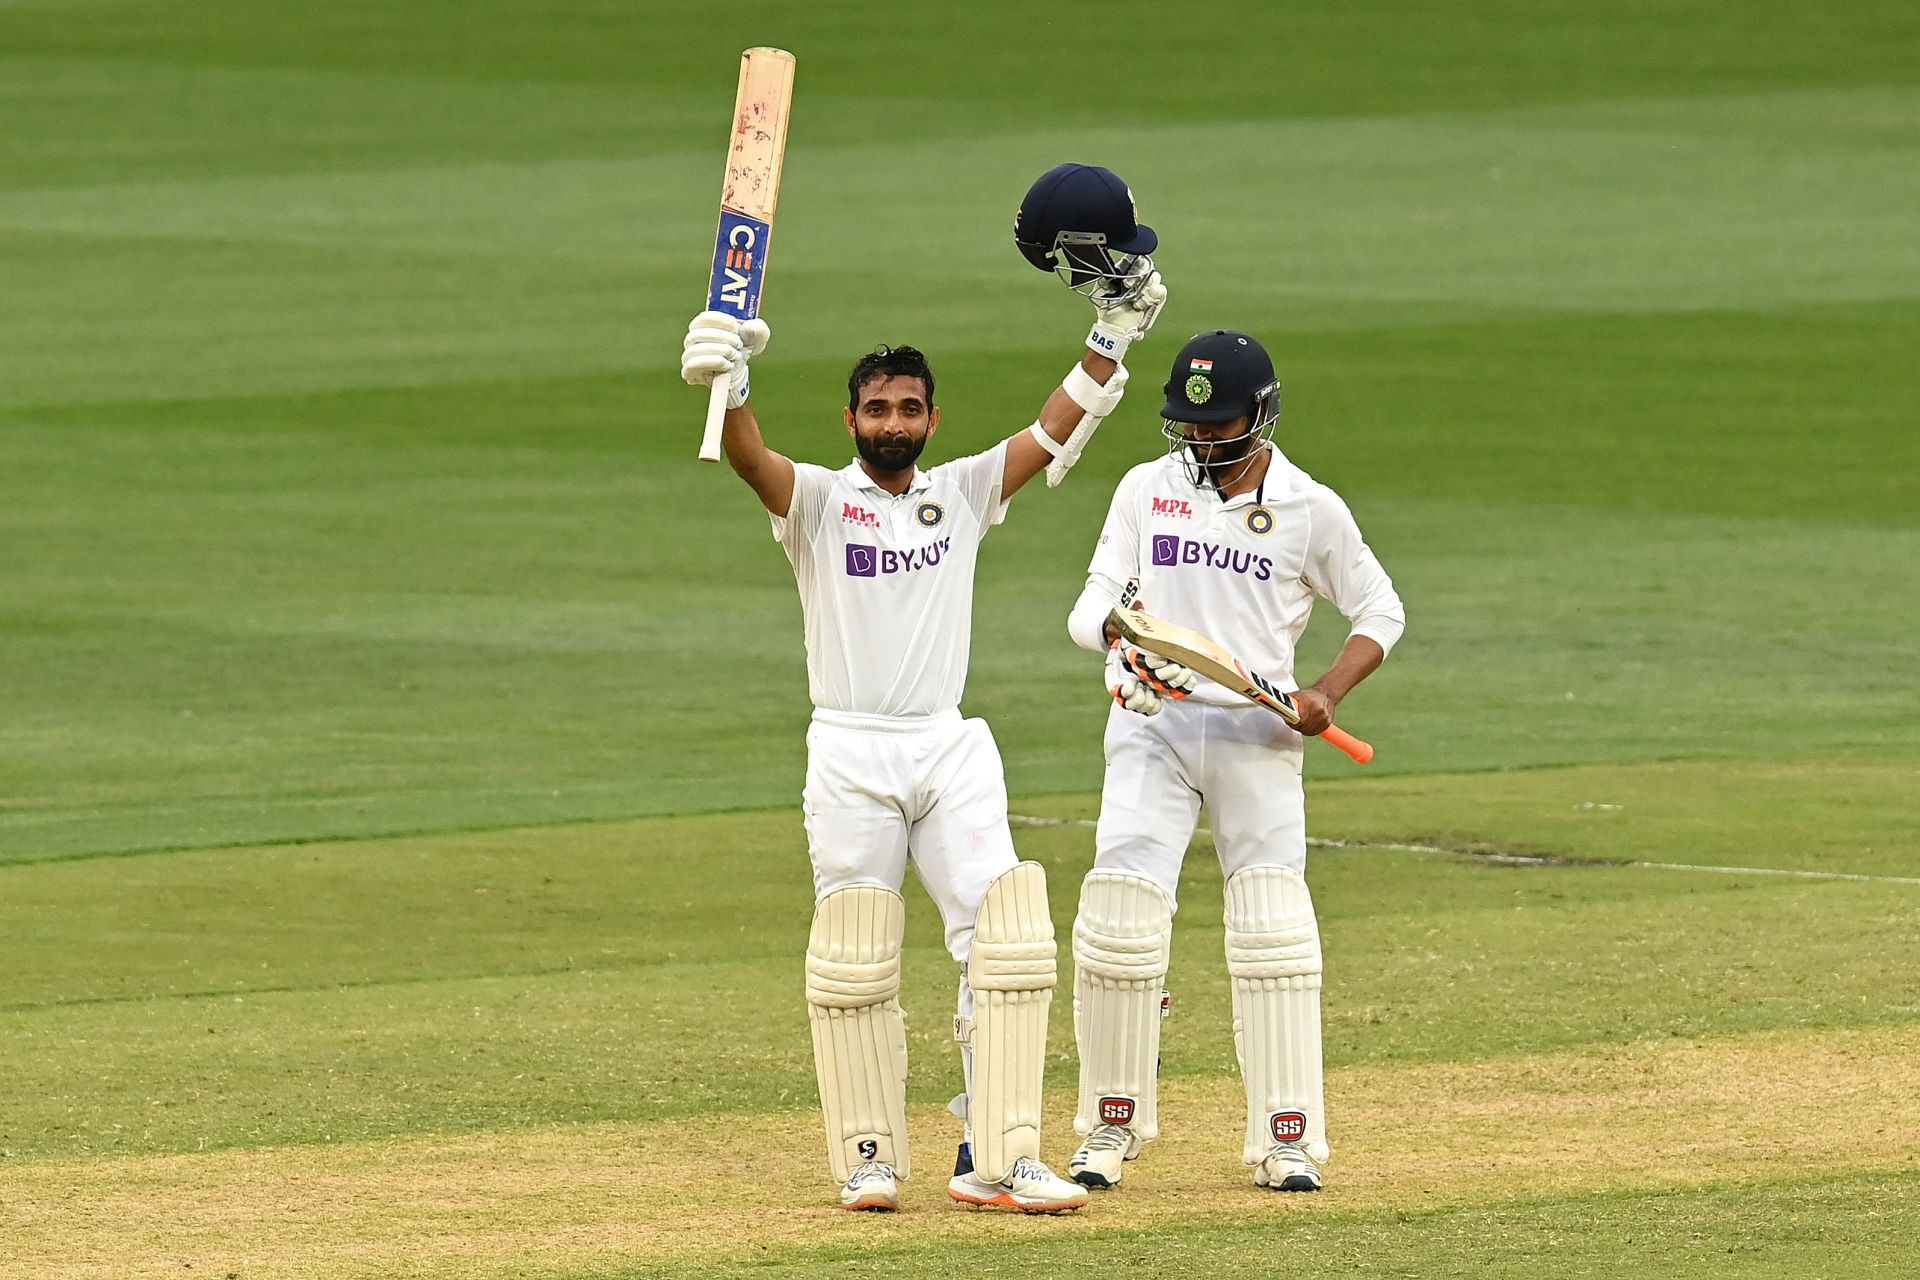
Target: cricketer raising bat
(1187, 646)
(747, 199)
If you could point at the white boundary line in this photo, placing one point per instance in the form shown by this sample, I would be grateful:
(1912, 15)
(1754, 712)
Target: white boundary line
(1525, 859)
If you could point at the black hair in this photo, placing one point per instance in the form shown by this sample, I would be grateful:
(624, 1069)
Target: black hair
(888, 362)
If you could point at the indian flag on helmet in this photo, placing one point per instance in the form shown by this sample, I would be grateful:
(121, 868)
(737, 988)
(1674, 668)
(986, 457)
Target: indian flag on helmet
(1200, 366)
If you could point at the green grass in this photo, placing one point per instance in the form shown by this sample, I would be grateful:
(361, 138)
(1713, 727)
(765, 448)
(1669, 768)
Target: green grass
(400, 734)
(1855, 1227)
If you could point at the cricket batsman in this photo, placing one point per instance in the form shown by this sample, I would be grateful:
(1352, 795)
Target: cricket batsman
(1226, 536)
(883, 552)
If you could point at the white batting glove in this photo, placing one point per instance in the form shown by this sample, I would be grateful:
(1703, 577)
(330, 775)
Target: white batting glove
(1126, 313)
(1126, 688)
(1164, 676)
(718, 345)
(1143, 681)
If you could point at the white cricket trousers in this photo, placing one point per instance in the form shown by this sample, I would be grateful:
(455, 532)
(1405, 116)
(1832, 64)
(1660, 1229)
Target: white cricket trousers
(1243, 762)
(882, 791)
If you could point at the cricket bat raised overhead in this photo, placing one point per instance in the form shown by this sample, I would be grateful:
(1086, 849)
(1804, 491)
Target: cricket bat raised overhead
(755, 149)
(1188, 647)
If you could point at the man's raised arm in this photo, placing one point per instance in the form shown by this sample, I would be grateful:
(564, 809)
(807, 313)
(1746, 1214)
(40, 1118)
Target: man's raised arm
(1125, 310)
(719, 346)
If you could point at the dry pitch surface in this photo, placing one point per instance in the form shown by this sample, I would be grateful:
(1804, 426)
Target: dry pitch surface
(582, 1199)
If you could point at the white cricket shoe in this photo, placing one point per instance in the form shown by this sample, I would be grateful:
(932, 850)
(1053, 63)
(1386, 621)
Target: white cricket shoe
(1097, 1162)
(1029, 1186)
(1287, 1168)
(873, 1185)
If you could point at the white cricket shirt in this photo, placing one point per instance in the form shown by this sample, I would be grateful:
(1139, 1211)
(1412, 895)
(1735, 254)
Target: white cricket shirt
(886, 582)
(1244, 571)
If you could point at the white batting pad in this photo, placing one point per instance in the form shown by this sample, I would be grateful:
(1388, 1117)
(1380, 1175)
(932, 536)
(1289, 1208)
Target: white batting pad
(859, 1033)
(1273, 957)
(1122, 945)
(1011, 969)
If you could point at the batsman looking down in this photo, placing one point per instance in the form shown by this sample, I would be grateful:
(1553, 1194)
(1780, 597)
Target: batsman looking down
(884, 554)
(1226, 536)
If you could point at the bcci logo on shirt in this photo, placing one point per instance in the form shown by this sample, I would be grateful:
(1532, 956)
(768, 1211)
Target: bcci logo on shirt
(1259, 520)
(929, 514)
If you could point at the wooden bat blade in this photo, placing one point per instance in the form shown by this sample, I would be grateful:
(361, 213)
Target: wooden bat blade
(756, 151)
(1192, 649)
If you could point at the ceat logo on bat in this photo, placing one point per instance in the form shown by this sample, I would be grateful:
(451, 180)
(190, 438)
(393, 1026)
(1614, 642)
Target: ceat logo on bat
(858, 515)
(1173, 507)
(1289, 1126)
(1116, 1111)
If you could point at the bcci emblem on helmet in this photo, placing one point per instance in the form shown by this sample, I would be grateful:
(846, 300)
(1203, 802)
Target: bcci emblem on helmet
(1199, 390)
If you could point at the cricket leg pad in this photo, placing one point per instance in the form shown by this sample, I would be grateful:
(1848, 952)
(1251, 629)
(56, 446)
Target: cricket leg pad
(1273, 959)
(859, 1032)
(1122, 947)
(1012, 970)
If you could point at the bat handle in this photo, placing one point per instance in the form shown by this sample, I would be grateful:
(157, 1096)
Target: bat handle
(1361, 751)
(716, 418)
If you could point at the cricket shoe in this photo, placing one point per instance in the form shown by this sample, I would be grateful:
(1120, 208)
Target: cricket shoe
(873, 1185)
(1029, 1186)
(1097, 1163)
(1287, 1168)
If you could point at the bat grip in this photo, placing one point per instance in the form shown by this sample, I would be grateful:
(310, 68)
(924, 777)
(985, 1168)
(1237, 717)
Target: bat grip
(716, 418)
(1361, 751)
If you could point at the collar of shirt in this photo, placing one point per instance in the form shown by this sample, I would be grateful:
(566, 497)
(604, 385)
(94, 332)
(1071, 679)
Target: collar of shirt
(920, 483)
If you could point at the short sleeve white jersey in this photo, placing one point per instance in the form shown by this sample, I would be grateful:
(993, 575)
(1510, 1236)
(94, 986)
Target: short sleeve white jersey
(1244, 571)
(886, 582)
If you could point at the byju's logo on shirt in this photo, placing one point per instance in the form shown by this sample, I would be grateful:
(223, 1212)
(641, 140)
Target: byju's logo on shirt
(1169, 550)
(864, 561)
(1173, 507)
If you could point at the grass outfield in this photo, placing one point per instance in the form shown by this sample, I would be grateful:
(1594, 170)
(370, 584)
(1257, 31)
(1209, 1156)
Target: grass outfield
(400, 736)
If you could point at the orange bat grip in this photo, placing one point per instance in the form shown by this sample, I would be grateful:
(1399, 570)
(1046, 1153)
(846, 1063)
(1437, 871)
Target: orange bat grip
(1360, 750)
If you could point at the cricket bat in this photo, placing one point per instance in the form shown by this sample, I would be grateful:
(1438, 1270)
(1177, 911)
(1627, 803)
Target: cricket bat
(747, 198)
(1188, 647)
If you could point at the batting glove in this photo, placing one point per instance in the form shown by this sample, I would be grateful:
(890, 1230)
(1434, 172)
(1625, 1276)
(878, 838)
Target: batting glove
(1163, 675)
(1127, 309)
(718, 345)
(1142, 681)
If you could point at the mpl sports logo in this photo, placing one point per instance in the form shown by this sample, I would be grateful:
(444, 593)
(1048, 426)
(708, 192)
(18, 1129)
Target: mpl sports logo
(858, 515)
(1179, 508)
(1169, 549)
(865, 561)
(1116, 1110)
(1288, 1126)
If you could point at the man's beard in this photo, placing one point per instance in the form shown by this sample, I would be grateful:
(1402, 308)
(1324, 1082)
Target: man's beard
(1219, 470)
(891, 454)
